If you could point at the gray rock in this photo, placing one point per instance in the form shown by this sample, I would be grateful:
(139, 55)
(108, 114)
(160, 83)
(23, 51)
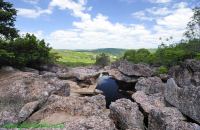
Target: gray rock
(169, 118)
(19, 88)
(164, 77)
(188, 73)
(149, 102)
(126, 114)
(27, 69)
(150, 85)
(116, 74)
(138, 70)
(27, 110)
(7, 69)
(72, 106)
(186, 99)
(47, 74)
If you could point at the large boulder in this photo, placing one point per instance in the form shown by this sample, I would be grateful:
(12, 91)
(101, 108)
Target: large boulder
(149, 102)
(116, 74)
(169, 118)
(72, 106)
(188, 73)
(185, 98)
(19, 88)
(138, 70)
(126, 115)
(150, 85)
(75, 113)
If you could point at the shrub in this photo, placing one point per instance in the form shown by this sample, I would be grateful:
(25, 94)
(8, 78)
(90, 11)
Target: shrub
(25, 51)
(162, 70)
(102, 59)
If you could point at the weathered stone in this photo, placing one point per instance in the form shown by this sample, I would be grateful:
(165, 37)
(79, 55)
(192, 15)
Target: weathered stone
(19, 88)
(116, 74)
(164, 77)
(7, 69)
(54, 68)
(102, 122)
(27, 69)
(126, 114)
(169, 118)
(73, 106)
(188, 73)
(138, 70)
(46, 74)
(147, 103)
(186, 99)
(27, 110)
(150, 85)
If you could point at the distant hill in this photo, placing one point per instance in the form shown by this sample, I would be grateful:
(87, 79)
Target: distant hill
(112, 51)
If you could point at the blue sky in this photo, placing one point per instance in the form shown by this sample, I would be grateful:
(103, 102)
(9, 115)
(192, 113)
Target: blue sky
(90, 24)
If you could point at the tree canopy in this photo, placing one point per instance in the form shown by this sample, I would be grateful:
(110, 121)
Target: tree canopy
(7, 18)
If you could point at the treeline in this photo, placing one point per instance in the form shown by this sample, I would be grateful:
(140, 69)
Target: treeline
(20, 51)
(170, 55)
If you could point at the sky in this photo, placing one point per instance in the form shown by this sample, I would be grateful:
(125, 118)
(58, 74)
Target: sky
(92, 24)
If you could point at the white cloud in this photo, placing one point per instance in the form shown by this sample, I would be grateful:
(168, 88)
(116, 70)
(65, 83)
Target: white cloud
(178, 19)
(160, 1)
(141, 15)
(33, 13)
(31, 1)
(77, 7)
(159, 11)
(99, 32)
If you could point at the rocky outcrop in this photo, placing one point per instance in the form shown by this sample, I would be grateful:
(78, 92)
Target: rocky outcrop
(19, 88)
(138, 70)
(75, 113)
(126, 115)
(79, 106)
(169, 118)
(149, 102)
(186, 99)
(188, 73)
(150, 85)
(27, 110)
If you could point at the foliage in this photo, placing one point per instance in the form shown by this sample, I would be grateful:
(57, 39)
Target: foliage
(25, 51)
(7, 19)
(193, 27)
(102, 59)
(141, 55)
(162, 70)
(31, 125)
(169, 55)
(109, 51)
(197, 56)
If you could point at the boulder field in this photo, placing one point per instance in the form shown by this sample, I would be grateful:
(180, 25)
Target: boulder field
(68, 96)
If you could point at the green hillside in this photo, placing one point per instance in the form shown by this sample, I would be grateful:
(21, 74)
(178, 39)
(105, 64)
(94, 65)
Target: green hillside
(111, 51)
(74, 58)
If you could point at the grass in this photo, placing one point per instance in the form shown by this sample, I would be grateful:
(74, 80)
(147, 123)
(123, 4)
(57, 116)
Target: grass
(31, 125)
(78, 58)
(75, 58)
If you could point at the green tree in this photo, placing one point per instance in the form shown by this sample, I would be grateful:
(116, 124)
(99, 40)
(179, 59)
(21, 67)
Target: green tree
(7, 19)
(25, 51)
(193, 27)
(102, 59)
(130, 55)
(142, 55)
